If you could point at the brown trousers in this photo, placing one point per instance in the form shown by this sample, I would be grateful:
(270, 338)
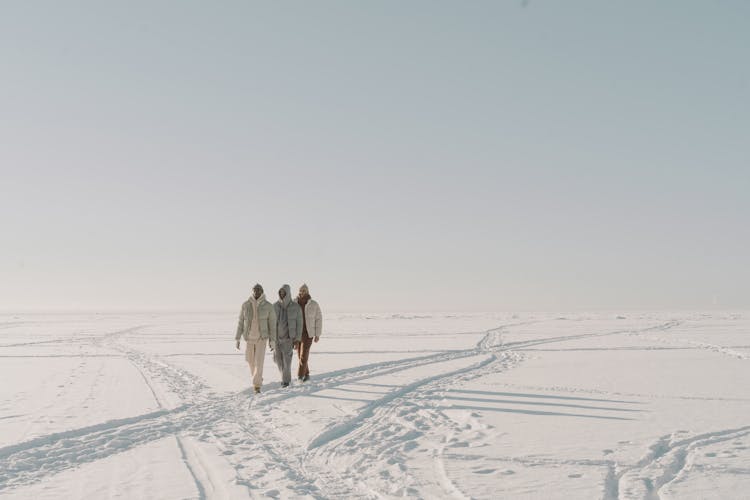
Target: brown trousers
(303, 352)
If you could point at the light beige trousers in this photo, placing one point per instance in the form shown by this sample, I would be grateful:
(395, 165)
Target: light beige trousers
(255, 353)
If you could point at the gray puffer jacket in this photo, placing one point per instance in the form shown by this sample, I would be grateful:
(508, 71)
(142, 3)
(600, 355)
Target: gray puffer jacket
(289, 317)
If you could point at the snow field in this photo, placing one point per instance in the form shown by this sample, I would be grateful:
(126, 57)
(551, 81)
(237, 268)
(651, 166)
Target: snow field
(418, 405)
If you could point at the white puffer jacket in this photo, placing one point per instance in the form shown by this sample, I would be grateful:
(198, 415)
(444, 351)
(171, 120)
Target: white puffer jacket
(313, 318)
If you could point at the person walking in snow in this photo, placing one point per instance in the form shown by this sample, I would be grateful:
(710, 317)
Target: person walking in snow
(288, 332)
(312, 327)
(257, 325)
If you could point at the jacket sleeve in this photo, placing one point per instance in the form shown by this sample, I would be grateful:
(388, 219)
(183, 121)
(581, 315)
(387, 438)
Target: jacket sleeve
(318, 321)
(276, 310)
(240, 325)
(272, 334)
(300, 323)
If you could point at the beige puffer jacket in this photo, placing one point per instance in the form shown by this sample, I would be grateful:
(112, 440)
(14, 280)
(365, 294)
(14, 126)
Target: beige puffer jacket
(266, 319)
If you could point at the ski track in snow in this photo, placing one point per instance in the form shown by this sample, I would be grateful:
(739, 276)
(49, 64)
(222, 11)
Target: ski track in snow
(345, 459)
(668, 458)
(694, 344)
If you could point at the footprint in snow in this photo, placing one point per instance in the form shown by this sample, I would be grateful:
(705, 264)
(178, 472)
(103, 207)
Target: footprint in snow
(484, 471)
(409, 446)
(710, 454)
(607, 451)
(575, 476)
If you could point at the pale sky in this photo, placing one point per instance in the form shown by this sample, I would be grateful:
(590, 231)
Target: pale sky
(421, 155)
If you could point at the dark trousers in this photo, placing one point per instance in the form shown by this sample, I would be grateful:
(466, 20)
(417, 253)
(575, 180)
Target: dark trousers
(282, 355)
(303, 352)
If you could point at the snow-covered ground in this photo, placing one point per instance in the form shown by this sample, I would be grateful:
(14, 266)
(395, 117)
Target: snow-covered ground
(648, 405)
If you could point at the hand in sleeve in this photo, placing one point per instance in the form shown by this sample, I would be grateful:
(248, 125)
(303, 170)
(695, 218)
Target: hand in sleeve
(272, 326)
(240, 327)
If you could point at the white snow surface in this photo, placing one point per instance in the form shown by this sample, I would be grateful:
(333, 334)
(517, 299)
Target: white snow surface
(424, 405)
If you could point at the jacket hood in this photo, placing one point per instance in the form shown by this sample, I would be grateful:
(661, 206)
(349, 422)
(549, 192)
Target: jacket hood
(288, 296)
(262, 298)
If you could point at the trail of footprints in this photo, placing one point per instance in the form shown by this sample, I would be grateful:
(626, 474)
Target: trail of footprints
(210, 418)
(347, 467)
